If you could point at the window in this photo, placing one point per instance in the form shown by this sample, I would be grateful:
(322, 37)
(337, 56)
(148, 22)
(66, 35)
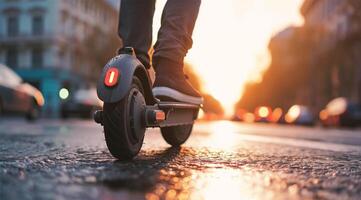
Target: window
(13, 26)
(37, 60)
(38, 25)
(12, 58)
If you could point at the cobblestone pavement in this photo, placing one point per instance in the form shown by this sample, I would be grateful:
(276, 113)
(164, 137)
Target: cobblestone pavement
(222, 160)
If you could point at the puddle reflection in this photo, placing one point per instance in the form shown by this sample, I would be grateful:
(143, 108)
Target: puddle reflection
(215, 184)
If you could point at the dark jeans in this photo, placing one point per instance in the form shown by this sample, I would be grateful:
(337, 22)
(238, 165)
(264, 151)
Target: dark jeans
(174, 36)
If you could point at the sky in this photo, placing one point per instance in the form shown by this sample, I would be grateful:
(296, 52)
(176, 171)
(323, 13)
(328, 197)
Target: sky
(230, 42)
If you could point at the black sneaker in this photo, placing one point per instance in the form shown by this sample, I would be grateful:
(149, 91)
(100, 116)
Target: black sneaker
(171, 84)
(172, 88)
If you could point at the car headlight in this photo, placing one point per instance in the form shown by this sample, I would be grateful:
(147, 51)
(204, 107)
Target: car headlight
(64, 93)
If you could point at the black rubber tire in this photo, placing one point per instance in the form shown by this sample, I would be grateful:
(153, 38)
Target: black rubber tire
(124, 132)
(176, 135)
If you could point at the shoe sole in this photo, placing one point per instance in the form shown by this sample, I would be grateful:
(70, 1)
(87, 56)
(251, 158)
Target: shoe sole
(178, 96)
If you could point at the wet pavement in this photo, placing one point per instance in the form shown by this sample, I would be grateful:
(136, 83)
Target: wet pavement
(222, 160)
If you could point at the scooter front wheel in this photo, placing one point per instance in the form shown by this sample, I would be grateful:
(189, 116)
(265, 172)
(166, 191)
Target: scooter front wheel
(177, 135)
(123, 123)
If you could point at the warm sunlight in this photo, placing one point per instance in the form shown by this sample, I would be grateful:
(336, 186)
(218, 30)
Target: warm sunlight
(231, 39)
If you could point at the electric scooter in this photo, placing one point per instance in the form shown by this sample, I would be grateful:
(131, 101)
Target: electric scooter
(130, 108)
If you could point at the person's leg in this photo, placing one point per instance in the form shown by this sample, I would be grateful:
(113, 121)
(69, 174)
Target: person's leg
(174, 41)
(175, 34)
(135, 26)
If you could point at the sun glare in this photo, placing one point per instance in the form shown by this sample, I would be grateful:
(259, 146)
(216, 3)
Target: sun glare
(230, 42)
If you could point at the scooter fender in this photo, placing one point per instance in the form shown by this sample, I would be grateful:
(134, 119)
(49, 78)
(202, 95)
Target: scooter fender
(125, 66)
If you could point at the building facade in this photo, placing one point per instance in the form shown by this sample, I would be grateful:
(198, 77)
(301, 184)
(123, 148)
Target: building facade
(45, 41)
(334, 30)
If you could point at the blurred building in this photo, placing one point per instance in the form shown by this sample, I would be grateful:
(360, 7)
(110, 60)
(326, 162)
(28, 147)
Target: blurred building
(114, 3)
(46, 41)
(314, 63)
(333, 28)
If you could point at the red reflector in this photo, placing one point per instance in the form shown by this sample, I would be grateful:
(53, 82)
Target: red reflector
(159, 115)
(111, 77)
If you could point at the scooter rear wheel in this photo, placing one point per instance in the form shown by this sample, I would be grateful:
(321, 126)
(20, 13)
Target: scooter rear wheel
(176, 135)
(123, 123)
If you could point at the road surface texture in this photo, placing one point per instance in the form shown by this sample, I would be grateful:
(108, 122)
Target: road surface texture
(222, 160)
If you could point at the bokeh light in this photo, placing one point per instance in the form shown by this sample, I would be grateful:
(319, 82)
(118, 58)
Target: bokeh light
(263, 112)
(293, 114)
(64, 93)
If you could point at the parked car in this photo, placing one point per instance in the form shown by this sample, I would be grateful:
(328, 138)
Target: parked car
(18, 97)
(300, 115)
(80, 103)
(341, 112)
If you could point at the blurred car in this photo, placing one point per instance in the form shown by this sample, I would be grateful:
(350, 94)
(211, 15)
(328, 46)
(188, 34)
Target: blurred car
(238, 115)
(277, 116)
(300, 115)
(263, 114)
(18, 97)
(341, 112)
(83, 103)
(243, 115)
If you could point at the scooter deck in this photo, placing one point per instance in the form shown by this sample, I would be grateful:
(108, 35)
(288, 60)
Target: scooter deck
(165, 114)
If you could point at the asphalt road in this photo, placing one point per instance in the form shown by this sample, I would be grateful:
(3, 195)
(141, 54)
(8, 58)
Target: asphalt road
(222, 160)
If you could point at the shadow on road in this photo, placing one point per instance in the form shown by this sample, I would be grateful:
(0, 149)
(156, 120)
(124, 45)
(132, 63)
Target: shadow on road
(143, 172)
